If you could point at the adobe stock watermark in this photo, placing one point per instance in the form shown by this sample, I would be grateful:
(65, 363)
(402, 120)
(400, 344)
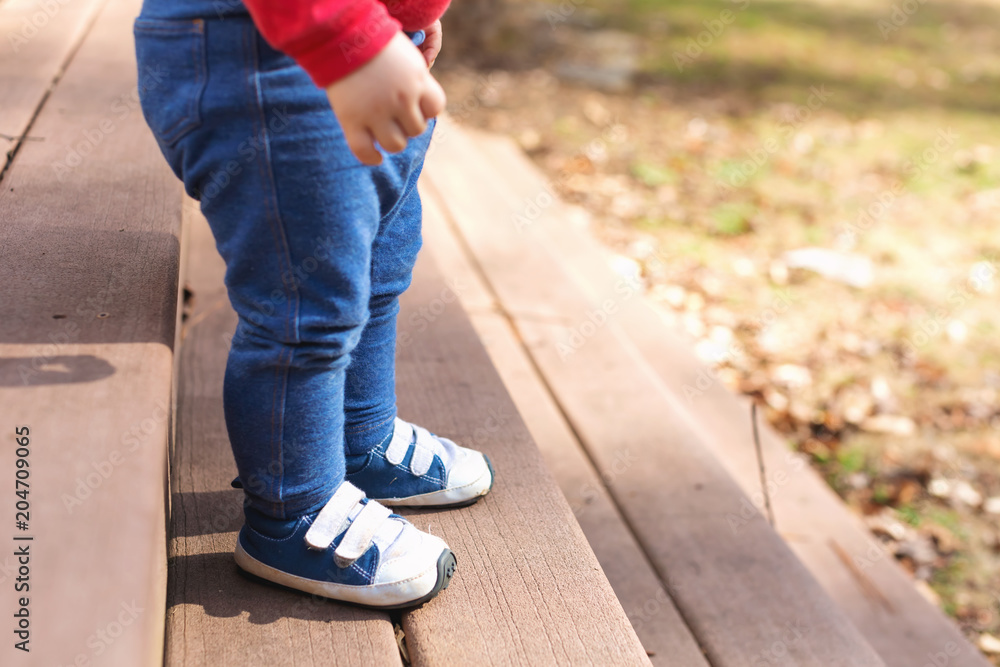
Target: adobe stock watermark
(7, 569)
(259, 481)
(59, 338)
(486, 88)
(872, 555)
(653, 606)
(496, 419)
(361, 36)
(68, 330)
(589, 492)
(248, 150)
(898, 17)
(943, 658)
(224, 8)
(596, 318)
(534, 206)
(777, 652)
(758, 157)
(781, 303)
(105, 636)
(562, 12)
(868, 216)
(120, 109)
(982, 274)
(714, 28)
(34, 23)
(323, 250)
(136, 437)
(991, 614)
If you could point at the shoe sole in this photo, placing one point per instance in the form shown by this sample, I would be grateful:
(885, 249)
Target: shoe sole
(260, 572)
(409, 502)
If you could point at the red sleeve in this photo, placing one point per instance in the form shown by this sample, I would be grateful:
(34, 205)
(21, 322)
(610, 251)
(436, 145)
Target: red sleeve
(329, 39)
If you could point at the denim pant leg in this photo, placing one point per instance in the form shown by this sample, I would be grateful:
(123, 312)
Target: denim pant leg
(370, 394)
(295, 217)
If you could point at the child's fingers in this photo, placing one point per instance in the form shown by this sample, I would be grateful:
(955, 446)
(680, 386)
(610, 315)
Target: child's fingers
(431, 45)
(390, 136)
(432, 101)
(362, 144)
(411, 120)
(431, 48)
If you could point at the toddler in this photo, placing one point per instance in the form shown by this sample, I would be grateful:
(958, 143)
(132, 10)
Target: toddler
(301, 126)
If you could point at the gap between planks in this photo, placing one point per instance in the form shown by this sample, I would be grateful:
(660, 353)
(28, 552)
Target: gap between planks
(215, 616)
(643, 595)
(25, 112)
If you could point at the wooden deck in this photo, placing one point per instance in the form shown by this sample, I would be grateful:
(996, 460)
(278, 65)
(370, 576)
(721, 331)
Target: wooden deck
(626, 553)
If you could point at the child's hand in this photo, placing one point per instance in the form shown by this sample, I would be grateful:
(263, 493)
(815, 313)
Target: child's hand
(431, 46)
(387, 100)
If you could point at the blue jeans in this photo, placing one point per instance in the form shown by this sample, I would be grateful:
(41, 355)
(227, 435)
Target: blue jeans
(317, 246)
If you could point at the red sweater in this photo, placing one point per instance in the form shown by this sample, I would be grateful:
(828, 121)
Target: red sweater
(332, 38)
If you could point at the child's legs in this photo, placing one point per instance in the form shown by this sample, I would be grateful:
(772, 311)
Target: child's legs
(370, 394)
(294, 217)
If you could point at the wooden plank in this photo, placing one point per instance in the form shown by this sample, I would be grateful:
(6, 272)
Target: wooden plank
(215, 616)
(89, 273)
(528, 590)
(40, 37)
(742, 591)
(644, 597)
(875, 593)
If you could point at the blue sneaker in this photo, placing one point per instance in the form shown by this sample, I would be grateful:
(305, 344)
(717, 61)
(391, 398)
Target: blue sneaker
(415, 468)
(353, 550)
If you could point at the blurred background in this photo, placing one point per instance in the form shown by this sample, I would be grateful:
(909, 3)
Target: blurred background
(839, 158)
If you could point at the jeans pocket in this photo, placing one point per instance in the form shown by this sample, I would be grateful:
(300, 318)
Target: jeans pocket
(172, 75)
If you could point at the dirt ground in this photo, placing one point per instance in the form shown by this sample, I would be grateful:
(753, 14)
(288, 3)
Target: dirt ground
(841, 155)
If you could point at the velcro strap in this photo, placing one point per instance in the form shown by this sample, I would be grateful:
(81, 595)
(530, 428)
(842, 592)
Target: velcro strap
(402, 436)
(423, 453)
(358, 538)
(333, 516)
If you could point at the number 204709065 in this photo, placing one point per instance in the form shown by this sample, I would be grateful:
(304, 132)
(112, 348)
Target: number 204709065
(21, 475)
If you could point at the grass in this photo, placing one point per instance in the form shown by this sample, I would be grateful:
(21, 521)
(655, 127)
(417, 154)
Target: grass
(910, 515)
(950, 520)
(780, 50)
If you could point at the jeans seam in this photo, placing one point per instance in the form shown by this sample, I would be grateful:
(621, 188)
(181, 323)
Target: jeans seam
(249, 74)
(273, 213)
(284, 369)
(272, 209)
(277, 419)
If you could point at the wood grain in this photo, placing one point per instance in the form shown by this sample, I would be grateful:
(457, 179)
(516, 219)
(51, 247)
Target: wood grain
(646, 600)
(89, 268)
(743, 593)
(881, 601)
(38, 43)
(215, 616)
(529, 591)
